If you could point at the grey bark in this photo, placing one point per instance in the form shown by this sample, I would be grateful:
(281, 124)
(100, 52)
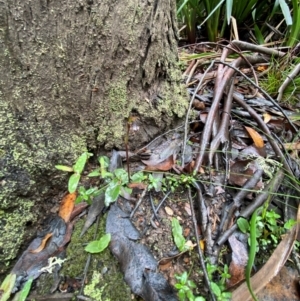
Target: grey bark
(71, 74)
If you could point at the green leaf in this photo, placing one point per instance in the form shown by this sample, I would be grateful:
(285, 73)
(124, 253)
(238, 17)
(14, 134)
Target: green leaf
(7, 286)
(73, 182)
(80, 163)
(112, 193)
(215, 288)
(177, 234)
(191, 284)
(243, 225)
(22, 295)
(190, 295)
(98, 246)
(184, 277)
(95, 173)
(199, 299)
(79, 199)
(138, 177)
(64, 168)
(121, 175)
(91, 190)
(229, 4)
(286, 12)
(181, 295)
(103, 161)
(290, 224)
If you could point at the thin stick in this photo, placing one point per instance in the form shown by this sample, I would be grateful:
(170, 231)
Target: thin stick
(188, 112)
(201, 256)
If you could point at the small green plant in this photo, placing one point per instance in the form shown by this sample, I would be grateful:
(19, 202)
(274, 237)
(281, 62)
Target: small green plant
(179, 239)
(86, 194)
(77, 169)
(185, 288)
(269, 228)
(154, 182)
(219, 287)
(98, 246)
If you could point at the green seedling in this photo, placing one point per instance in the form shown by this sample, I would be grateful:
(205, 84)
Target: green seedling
(219, 288)
(98, 246)
(264, 230)
(185, 288)
(179, 239)
(86, 194)
(77, 169)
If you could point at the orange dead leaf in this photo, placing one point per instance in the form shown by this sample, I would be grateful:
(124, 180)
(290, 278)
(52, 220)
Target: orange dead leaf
(43, 244)
(163, 166)
(67, 206)
(262, 68)
(256, 137)
(137, 185)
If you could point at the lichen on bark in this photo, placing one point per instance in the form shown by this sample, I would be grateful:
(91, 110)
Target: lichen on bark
(71, 73)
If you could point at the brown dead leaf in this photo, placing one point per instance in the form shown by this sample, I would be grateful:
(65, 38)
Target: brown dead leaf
(166, 266)
(67, 206)
(162, 166)
(238, 262)
(241, 171)
(41, 247)
(141, 186)
(256, 137)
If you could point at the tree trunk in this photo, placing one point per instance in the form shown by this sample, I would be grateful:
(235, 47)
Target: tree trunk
(72, 73)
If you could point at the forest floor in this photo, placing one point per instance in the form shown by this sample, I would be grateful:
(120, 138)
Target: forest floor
(237, 151)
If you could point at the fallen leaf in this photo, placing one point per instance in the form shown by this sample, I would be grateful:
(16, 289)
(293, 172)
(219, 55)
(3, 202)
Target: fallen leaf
(141, 186)
(67, 206)
(262, 68)
(239, 261)
(163, 166)
(186, 232)
(41, 247)
(267, 117)
(169, 211)
(187, 209)
(241, 171)
(166, 266)
(256, 137)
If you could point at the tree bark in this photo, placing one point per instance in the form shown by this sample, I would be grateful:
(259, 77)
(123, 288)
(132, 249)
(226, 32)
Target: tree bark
(71, 74)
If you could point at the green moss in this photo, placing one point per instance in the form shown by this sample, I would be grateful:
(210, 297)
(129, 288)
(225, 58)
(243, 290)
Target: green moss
(91, 290)
(103, 266)
(12, 230)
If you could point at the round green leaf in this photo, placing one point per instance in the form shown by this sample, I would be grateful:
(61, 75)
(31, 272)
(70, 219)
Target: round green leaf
(243, 225)
(98, 246)
(112, 192)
